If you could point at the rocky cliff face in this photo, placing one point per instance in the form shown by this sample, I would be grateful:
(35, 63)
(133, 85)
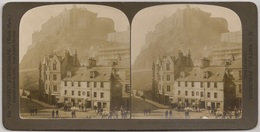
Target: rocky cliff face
(190, 28)
(76, 28)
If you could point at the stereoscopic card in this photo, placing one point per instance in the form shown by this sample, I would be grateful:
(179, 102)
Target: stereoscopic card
(130, 66)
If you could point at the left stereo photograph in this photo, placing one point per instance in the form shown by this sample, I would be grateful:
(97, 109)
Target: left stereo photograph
(74, 62)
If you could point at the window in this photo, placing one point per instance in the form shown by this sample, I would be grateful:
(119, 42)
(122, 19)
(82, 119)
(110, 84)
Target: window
(54, 77)
(201, 94)
(95, 94)
(83, 93)
(168, 88)
(240, 75)
(79, 84)
(88, 94)
(208, 95)
(240, 88)
(215, 85)
(72, 92)
(54, 67)
(168, 78)
(79, 93)
(197, 93)
(179, 92)
(49, 76)
(186, 93)
(201, 84)
(72, 83)
(168, 66)
(101, 95)
(192, 84)
(208, 84)
(65, 92)
(55, 89)
(95, 84)
(186, 84)
(127, 88)
(179, 84)
(88, 84)
(102, 84)
(65, 83)
(215, 95)
(45, 77)
(46, 87)
(192, 93)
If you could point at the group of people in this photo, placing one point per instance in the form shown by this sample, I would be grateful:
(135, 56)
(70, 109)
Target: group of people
(55, 113)
(33, 112)
(168, 114)
(226, 114)
(147, 111)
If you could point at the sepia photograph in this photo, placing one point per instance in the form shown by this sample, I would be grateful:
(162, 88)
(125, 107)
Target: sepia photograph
(74, 62)
(186, 63)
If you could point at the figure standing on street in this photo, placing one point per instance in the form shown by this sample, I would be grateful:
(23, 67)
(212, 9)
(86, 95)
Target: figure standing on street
(166, 114)
(57, 113)
(53, 114)
(170, 114)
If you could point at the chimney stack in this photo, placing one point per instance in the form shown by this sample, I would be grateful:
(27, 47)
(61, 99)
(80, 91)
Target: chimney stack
(205, 62)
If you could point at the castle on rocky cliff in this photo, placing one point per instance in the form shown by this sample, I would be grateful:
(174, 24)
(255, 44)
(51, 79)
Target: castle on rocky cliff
(186, 20)
(75, 20)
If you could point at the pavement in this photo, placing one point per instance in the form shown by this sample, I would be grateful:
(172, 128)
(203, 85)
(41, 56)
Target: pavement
(39, 102)
(47, 114)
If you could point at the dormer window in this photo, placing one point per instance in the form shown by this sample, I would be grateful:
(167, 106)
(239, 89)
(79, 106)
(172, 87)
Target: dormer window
(206, 74)
(54, 67)
(168, 66)
(182, 74)
(92, 74)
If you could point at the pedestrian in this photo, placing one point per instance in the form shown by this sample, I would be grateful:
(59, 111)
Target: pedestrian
(166, 114)
(170, 114)
(72, 114)
(149, 111)
(36, 111)
(57, 113)
(53, 113)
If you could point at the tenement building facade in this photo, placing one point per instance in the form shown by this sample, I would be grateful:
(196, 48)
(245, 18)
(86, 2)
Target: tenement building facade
(167, 70)
(51, 71)
(205, 86)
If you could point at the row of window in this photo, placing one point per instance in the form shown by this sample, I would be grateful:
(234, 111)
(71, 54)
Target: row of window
(208, 84)
(88, 84)
(54, 77)
(54, 88)
(201, 94)
(84, 93)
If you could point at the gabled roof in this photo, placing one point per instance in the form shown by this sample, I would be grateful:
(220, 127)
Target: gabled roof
(197, 74)
(83, 74)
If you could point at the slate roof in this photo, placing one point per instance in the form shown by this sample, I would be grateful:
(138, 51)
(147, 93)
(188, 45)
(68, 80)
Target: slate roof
(197, 74)
(83, 74)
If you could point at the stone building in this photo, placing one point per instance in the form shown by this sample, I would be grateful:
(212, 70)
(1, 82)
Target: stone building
(230, 45)
(51, 71)
(235, 74)
(122, 77)
(93, 86)
(203, 87)
(89, 86)
(117, 44)
(167, 70)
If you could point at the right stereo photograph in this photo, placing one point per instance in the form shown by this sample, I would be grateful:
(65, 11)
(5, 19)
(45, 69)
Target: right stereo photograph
(186, 63)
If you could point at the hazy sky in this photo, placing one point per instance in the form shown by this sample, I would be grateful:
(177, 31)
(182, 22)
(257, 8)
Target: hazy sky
(146, 19)
(34, 18)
